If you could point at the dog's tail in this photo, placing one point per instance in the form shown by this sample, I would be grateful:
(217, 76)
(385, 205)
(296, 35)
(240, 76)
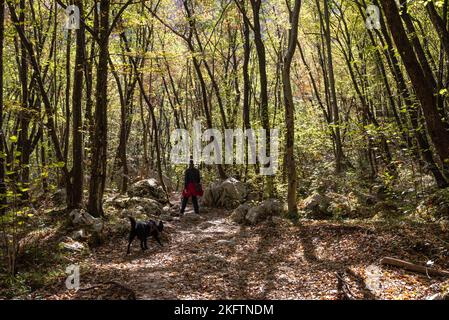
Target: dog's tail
(160, 227)
(133, 222)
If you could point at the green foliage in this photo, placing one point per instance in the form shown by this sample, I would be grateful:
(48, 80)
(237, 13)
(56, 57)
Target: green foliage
(175, 55)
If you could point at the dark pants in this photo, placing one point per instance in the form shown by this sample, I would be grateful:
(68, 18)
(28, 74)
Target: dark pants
(194, 201)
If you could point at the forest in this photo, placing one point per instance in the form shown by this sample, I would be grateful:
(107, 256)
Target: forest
(345, 195)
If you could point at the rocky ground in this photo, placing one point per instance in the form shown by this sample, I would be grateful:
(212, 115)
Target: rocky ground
(250, 254)
(211, 257)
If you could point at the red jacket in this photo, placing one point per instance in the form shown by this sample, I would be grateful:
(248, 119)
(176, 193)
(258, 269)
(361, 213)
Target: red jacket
(193, 190)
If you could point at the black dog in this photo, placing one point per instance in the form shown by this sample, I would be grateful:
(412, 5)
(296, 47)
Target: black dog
(143, 230)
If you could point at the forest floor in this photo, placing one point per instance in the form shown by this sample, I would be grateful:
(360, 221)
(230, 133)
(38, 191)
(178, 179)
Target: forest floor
(213, 258)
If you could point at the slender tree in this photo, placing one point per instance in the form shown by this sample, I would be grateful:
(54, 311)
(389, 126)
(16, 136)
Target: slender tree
(2, 136)
(263, 78)
(339, 156)
(290, 107)
(77, 125)
(100, 138)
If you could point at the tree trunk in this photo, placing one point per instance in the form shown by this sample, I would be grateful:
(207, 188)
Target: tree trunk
(420, 136)
(439, 25)
(152, 114)
(23, 141)
(339, 157)
(2, 137)
(197, 67)
(438, 129)
(260, 49)
(290, 109)
(246, 80)
(99, 147)
(89, 128)
(50, 124)
(77, 125)
(66, 137)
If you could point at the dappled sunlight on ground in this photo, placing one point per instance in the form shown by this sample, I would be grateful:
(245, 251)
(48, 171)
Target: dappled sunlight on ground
(217, 259)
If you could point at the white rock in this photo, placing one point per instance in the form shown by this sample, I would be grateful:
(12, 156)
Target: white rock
(121, 202)
(267, 208)
(80, 234)
(256, 215)
(145, 205)
(148, 188)
(82, 217)
(316, 206)
(240, 213)
(229, 193)
(72, 246)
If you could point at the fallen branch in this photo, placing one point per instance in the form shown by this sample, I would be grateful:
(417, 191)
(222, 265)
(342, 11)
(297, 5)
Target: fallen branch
(413, 267)
(131, 294)
(343, 287)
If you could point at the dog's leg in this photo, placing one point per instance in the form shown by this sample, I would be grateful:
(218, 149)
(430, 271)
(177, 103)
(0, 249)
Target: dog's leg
(142, 244)
(145, 244)
(158, 240)
(131, 238)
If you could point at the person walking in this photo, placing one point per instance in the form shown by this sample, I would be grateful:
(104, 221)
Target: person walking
(192, 188)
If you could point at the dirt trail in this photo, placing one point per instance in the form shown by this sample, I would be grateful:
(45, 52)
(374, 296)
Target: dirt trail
(196, 263)
(213, 258)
